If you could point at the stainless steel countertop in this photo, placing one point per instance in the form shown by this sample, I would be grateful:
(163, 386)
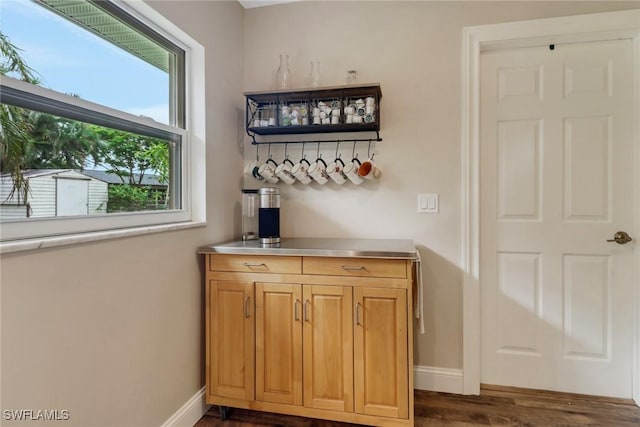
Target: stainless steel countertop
(360, 248)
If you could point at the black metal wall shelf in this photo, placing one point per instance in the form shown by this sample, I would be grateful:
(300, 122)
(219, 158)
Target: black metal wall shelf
(265, 113)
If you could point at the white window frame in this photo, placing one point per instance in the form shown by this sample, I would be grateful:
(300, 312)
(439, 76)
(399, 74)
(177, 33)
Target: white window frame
(46, 232)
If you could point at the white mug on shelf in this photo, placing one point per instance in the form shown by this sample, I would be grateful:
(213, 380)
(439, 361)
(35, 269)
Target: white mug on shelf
(299, 170)
(317, 171)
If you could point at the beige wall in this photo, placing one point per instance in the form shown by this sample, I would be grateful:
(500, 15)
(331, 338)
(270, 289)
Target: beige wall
(414, 50)
(113, 331)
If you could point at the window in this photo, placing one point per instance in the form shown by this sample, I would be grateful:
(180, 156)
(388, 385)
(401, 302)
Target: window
(95, 131)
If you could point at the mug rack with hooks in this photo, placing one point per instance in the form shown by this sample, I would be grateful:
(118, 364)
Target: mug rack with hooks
(260, 172)
(314, 111)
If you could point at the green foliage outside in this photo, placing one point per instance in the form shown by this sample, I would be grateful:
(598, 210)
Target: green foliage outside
(128, 198)
(34, 140)
(14, 123)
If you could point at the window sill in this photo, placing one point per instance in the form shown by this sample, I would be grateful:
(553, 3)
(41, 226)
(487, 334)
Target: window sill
(71, 239)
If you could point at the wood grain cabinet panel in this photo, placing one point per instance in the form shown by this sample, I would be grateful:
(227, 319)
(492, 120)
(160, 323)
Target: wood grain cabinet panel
(380, 352)
(279, 343)
(355, 267)
(256, 263)
(230, 339)
(328, 347)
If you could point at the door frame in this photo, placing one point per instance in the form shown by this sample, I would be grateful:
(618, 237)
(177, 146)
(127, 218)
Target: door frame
(571, 29)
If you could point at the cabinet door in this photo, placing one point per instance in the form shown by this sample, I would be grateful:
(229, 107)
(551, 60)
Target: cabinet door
(279, 343)
(328, 347)
(230, 336)
(380, 352)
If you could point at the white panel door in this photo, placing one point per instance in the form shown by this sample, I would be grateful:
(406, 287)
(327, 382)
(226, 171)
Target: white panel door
(556, 183)
(72, 197)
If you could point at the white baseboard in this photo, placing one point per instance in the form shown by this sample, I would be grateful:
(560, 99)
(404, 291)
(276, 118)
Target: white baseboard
(444, 380)
(190, 412)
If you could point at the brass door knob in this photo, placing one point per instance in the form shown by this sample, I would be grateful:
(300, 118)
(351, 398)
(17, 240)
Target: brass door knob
(621, 238)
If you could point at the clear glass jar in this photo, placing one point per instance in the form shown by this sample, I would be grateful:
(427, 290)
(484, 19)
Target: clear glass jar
(352, 76)
(283, 74)
(249, 214)
(314, 74)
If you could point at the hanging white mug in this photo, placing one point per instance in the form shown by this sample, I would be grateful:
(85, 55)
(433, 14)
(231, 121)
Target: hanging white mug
(317, 171)
(351, 171)
(299, 170)
(334, 170)
(268, 171)
(249, 167)
(283, 171)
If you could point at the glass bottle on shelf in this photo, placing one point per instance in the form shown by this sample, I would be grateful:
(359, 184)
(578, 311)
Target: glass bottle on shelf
(283, 74)
(314, 74)
(352, 76)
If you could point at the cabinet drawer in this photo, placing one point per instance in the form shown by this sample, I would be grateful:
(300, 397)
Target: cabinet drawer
(255, 263)
(356, 267)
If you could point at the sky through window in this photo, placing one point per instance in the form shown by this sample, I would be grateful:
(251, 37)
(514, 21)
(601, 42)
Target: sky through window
(71, 60)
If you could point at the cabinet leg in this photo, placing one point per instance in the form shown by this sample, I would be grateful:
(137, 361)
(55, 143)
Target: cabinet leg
(224, 412)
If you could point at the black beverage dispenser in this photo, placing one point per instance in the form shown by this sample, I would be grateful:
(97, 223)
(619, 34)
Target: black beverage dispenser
(269, 216)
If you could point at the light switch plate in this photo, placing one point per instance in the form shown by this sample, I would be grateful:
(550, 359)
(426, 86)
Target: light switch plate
(428, 203)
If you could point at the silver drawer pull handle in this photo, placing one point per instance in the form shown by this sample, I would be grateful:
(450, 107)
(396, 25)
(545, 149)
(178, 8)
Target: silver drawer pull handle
(348, 268)
(358, 314)
(295, 308)
(249, 264)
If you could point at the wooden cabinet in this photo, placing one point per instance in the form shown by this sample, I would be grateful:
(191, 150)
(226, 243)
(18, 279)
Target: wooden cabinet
(355, 267)
(328, 347)
(278, 343)
(315, 342)
(380, 352)
(229, 340)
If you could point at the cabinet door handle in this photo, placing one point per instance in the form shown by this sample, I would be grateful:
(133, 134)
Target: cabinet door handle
(295, 310)
(305, 315)
(254, 264)
(349, 268)
(247, 307)
(358, 305)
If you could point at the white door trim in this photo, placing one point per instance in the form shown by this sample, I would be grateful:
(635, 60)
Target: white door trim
(580, 28)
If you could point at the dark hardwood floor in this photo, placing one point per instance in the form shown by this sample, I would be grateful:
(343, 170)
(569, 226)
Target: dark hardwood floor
(496, 406)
